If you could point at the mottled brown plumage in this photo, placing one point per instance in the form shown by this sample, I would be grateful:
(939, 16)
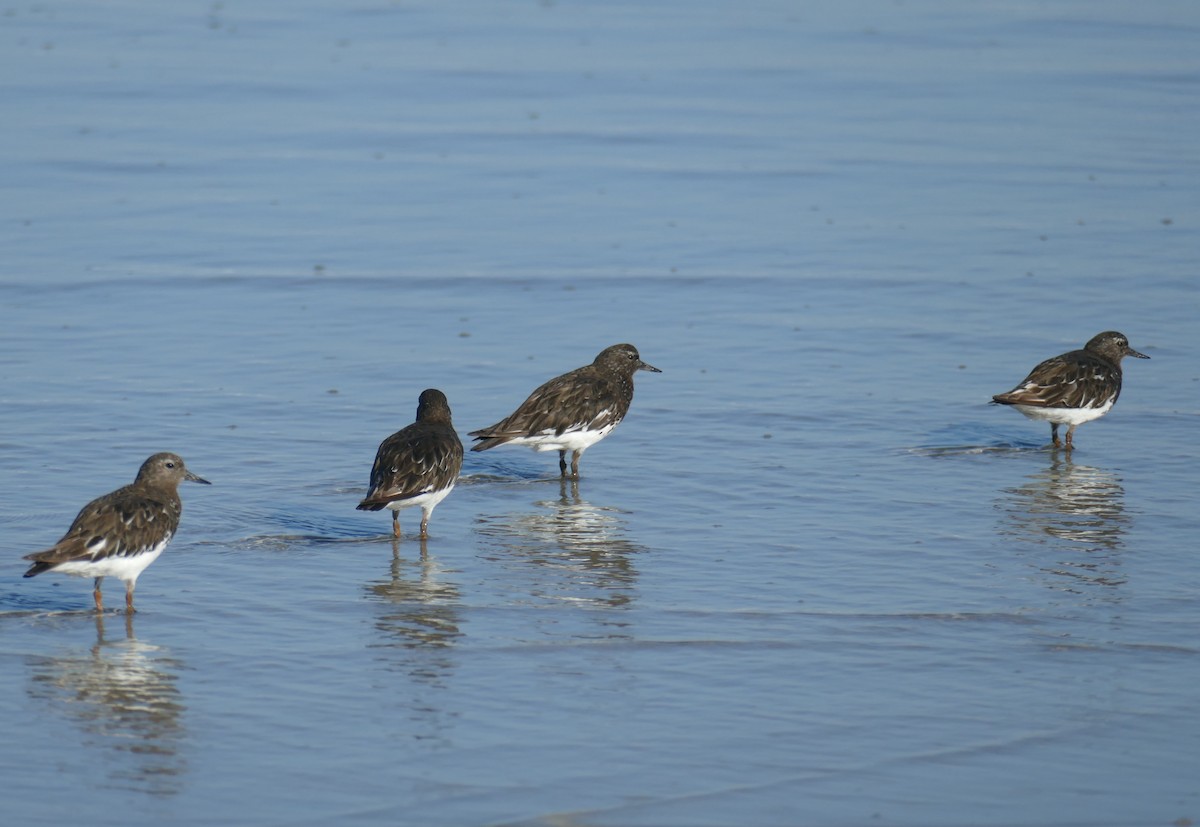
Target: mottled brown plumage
(573, 411)
(418, 465)
(1075, 387)
(123, 532)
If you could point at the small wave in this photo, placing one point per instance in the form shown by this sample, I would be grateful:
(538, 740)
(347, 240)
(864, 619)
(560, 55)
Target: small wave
(974, 450)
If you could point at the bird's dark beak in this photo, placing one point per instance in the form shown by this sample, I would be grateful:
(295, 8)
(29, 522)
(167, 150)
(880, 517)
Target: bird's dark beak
(190, 476)
(643, 366)
(1135, 354)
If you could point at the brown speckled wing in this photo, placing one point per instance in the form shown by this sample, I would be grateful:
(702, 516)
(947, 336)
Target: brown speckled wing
(1073, 380)
(127, 521)
(420, 458)
(567, 402)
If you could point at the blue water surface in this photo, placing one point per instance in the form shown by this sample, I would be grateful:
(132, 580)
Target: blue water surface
(814, 578)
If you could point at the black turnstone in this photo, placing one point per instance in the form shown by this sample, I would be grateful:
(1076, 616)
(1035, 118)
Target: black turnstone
(571, 412)
(121, 533)
(1075, 387)
(417, 465)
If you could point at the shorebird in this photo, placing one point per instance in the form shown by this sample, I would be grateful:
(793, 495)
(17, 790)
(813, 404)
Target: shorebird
(572, 412)
(1075, 387)
(418, 465)
(123, 532)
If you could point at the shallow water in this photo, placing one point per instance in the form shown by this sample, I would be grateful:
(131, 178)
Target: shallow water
(813, 578)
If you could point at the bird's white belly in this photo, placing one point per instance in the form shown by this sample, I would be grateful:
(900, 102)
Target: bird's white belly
(125, 569)
(1064, 416)
(427, 500)
(571, 440)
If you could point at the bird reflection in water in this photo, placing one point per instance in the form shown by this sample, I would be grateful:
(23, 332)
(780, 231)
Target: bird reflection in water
(420, 605)
(1077, 510)
(581, 550)
(418, 622)
(122, 694)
